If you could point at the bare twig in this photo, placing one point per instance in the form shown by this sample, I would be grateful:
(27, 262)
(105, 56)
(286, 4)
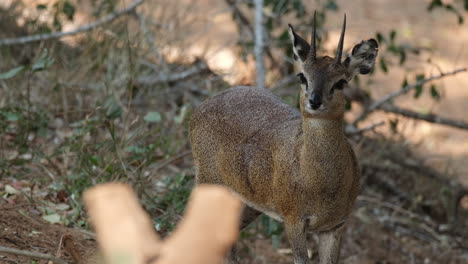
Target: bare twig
(87, 27)
(426, 117)
(286, 81)
(242, 18)
(31, 254)
(195, 70)
(258, 51)
(392, 207)
(377, 104)
(172, 159)
(422, 222)
(58, 252)
(352, 130)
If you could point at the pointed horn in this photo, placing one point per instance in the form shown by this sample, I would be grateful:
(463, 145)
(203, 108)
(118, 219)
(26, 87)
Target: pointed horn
(313, 48)
(339, 50)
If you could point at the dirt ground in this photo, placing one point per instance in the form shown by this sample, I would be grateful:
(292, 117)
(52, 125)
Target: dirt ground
(401, 216)
(365, 242)
(21, 227)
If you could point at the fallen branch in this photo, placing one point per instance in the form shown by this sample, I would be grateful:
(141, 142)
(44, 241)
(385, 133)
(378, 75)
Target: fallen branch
(31, 254)
(352, 130)
(432, 118)
(377, 104)
(198, 68)
(55, 35)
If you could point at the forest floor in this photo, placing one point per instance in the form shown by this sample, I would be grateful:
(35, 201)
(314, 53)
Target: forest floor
(389, 225)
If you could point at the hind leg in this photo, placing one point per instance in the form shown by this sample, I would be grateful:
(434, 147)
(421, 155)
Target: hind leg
(248, 216)
(330, 244)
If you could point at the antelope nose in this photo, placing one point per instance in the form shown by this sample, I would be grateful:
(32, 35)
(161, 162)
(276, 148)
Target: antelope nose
(315, 101)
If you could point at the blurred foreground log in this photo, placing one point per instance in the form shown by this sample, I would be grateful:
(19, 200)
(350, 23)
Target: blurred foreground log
(126, 235)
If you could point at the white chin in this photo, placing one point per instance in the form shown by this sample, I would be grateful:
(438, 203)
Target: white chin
(316, 111)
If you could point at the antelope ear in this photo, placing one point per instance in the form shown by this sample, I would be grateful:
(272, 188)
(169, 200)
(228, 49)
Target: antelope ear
(300, 47)
(362, 58)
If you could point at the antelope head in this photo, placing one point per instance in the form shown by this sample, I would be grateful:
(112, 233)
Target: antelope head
(323, 78)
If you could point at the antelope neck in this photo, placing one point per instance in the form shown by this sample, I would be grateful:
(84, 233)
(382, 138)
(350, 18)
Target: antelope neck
(322, 136)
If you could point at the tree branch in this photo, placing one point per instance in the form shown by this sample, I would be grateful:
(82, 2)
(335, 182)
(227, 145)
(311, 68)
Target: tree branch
(426, 117)
(259, 44)
(377, 104)
(243, 21)
(55, 35)
(352, 130)
(31, 254)
(199, 67)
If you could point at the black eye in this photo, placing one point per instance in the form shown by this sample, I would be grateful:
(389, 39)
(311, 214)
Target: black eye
(302, 79)
(340, 84)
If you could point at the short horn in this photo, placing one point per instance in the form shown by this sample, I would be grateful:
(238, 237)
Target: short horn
(313, 49)
(339, 50)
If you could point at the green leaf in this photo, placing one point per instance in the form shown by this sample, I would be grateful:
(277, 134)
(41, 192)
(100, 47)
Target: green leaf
(11, 73)
(299, 7)
(52, 218)
(41, 7)
(435, 93)
(418, 91)
(402, 56)
(135, 149)
(68, 10)
(404, 84)
(11, 116)
(113, 108)
(43, 62)
(466, 5)
(419, 88)
(331, 5)
(435, 3)
(420, 77)
(152, 117)
(57, 24)
(392, 35)
(380, 38)
(383, 65)
(394, 125)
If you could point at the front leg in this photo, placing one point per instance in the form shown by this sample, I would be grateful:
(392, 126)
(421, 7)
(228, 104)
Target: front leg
(330, 244)
(295, 230)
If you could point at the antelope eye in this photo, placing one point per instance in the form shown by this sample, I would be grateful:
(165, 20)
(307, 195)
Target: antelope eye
(340, 84)
(303, 79)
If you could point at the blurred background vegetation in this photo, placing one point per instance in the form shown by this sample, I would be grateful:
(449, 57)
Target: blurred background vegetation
(112, 104)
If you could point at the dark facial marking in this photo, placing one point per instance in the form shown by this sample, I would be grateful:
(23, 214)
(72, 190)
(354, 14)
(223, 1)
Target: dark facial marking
(340, 84)
(303, 80)
(364, 70)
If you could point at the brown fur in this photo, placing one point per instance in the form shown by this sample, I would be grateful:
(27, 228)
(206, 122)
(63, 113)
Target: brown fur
(294, 165)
